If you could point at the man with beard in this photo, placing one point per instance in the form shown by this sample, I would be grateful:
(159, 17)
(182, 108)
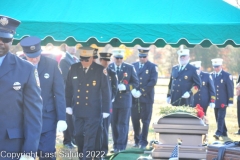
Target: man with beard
(20, 99)
(184, 81)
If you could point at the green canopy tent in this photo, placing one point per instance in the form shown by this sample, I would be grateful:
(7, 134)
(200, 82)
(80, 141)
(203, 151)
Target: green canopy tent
(115, 22)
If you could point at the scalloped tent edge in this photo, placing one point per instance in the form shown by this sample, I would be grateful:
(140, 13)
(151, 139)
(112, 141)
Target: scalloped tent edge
(115, 42)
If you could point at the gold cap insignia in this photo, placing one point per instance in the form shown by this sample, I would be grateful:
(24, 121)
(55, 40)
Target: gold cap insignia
(4, 21)
(185, 77)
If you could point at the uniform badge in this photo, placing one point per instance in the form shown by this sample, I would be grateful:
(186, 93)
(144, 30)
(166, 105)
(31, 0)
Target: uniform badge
(203, 83)
(36, 77)
(230, 77)
(16, 86)
(32, 48)
(105, 71)
(94, 83)
(156, 68)
(185, 77)
(221, 80)
(4, 21)
(146, 71)
(46, 75)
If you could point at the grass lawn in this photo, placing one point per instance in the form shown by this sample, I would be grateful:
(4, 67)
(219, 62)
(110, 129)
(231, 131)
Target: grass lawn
(160, 97)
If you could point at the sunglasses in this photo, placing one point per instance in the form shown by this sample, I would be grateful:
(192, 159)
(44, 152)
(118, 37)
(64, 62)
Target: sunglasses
(142, 56)
(215, 66)
(182, 56)
(6, 40)
(118, 58)
(84, 60)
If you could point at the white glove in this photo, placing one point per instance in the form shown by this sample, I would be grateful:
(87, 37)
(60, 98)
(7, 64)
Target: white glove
(133, 92)
(168, 100)
(105, 115)
(212, 105)
(230, 105)
(138, 94)
(61, 126)
(121, 87)
(25, 157)
(186, 95)
(69, 110)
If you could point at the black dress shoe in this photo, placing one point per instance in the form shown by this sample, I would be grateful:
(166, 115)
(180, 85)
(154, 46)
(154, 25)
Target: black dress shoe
(142, 147)
(114, 151)
(136, 145)
(225, 134)
(69, 146)
(216, 136)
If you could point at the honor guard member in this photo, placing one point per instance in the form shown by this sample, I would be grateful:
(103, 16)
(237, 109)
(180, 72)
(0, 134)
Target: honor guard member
(223, 83)
(20, 100)
(238, 104)
(88, 89)
(52, 92)
(184, 81)
(127, 80)
(206, 95)
(143, 97)
(113, 81)
(65, 63)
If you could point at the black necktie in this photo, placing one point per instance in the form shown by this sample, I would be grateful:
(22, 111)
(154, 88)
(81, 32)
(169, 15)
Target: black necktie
(118, 70)
(84, 70)
(181, 67)
(141, 66)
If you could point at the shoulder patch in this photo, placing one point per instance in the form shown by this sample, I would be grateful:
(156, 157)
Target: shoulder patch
(37, 77)
(156, 68)
(210, 76)
(230, 77)
(134, 70)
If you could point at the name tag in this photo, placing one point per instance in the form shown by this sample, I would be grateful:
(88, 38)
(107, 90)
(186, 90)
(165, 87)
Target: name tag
(74, 77)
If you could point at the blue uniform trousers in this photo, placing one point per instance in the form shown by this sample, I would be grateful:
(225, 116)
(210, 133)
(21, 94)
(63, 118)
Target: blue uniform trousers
(46, 148)
(68, 133)
(145, 114)
(106, 124)
(220, 114)
(85, 135)
(238, 112)
(102, 136)
(120, 127)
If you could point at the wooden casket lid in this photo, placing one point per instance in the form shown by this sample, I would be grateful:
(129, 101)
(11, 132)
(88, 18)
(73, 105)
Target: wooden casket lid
(182, 118)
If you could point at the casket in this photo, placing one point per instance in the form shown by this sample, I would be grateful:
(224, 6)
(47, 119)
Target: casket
(231, 153)
(183, 127)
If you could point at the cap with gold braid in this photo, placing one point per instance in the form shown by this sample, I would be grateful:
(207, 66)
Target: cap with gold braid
(105, 56)
(143, 51)
(86, 52)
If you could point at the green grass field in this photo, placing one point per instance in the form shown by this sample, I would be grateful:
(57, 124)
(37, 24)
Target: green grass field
(160, 97)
